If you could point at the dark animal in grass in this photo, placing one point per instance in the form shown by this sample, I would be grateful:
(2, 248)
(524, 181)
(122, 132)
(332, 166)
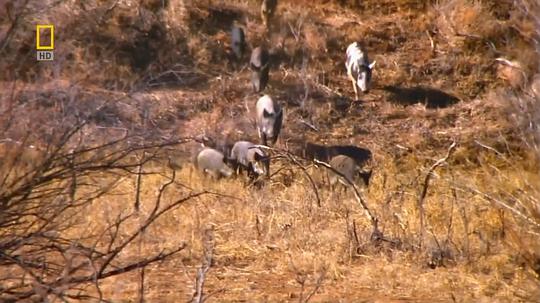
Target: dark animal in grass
(325, 153)
(269, 118)
(238, 42)
(349, 169)
(268, 8)
(260, 68)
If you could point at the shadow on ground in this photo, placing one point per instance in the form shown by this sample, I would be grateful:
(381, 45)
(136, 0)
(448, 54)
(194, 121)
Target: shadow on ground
(431, 97)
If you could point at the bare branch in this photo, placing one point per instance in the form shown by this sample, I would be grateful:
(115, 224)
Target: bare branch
(138, 187)
(318, 284)
(425, 186)
(208, 244)
(491, 199)
(13, 26)
(313, 127)
(292, 159)
(374, 221)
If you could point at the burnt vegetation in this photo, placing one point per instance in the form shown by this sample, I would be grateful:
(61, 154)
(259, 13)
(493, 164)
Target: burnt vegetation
(100, 200)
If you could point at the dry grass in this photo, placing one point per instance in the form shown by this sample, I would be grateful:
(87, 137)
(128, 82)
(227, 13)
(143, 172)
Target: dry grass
(165, 69)
(268, 240)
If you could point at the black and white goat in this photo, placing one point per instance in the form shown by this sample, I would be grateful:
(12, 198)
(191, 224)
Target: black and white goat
(358, 68)
(269, 118)
(246, 156)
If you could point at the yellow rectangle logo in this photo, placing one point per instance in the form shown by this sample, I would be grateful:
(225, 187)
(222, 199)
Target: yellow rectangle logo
(50, 46)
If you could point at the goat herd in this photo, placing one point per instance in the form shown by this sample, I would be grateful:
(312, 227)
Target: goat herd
(254, 159)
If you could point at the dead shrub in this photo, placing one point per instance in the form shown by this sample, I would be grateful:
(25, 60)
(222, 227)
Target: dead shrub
(315, 40)
(512, 72)
(460, 20)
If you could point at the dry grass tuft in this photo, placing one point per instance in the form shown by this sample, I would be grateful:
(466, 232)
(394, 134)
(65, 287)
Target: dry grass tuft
(461, 19)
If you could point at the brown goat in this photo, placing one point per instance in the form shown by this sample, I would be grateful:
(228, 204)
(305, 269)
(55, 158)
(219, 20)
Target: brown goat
(325, 153)
(349, 170)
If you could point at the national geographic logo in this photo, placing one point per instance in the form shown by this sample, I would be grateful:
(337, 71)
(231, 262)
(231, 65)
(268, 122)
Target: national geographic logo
(44, 42)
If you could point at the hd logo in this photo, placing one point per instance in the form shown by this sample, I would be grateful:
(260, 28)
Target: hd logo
(45, 48)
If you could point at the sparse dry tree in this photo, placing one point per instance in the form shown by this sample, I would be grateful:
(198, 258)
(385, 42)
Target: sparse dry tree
(302, 278)
(425, 186)
(208, 258)
(47, 189)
